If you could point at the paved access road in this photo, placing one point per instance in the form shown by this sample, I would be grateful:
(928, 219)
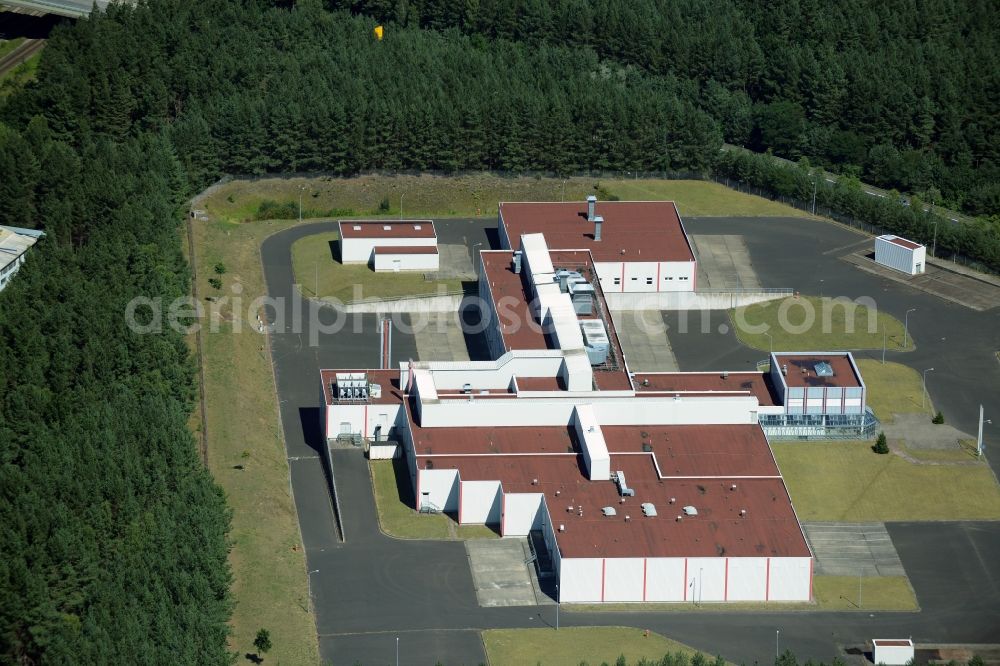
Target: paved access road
(371, 589)
(958, 342)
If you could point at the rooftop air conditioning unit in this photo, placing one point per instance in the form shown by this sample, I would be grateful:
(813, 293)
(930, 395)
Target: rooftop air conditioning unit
(648, 509)
(690, 511)
(609, 511)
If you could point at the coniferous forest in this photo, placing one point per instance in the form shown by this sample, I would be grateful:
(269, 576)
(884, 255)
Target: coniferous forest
(112, 535)
(903, 93)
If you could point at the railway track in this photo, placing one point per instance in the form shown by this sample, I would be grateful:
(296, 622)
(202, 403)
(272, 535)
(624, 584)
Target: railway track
(24, 50)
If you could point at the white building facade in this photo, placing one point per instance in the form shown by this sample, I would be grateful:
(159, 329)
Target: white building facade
(901, 254)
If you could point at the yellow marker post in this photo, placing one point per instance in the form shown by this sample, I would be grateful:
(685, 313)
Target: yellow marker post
(378, 31)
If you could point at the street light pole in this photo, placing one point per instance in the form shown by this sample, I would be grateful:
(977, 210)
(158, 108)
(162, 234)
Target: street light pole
(401, 205)
(883, 345)
(397, 650)
(557, 606)
(906, 326)
(814, 196)
(925, 387)
(301, 189)
(777, 632)
(770, 342)
(979, 439)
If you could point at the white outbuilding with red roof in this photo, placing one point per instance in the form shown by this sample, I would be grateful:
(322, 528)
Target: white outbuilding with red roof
(390, 245)
(901, 254)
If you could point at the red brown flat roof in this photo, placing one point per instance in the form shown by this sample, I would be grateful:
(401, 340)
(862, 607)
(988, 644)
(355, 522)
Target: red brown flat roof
(517, 326)
(902, 242)
(644, 230)
(491, 439)
(387, 229)
(406, 249)
(540, 384)
(769, 528)
(802, 370)
(757, 383)
(698, 450)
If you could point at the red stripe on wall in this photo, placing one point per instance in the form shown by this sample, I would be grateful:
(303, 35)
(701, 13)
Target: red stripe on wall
(623, 276)
(658, 264)
(644, 563)
(725, 588)
(695, 280)
(685, 579)
(767, 581)
(604, 569)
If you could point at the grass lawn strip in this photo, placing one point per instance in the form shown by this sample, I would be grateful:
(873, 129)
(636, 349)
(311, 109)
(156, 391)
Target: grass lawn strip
(572, 646)
(699, 198)
(474, 195)
(318, 273)
(893, 388)
(267, 558)
(8, 45)
(398, 518)
(809, 323)
(846, 481)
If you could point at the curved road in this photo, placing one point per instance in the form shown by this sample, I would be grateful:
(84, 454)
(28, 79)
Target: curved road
(371, 590)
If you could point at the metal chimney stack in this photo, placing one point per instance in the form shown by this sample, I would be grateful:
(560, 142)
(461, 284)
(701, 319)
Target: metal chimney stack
(591, 207)
(598, 221)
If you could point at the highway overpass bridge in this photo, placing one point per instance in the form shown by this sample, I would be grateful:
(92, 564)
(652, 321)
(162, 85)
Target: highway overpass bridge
(70, 8)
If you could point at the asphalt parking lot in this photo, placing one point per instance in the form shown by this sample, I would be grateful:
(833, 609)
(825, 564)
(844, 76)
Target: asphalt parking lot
(370, 589)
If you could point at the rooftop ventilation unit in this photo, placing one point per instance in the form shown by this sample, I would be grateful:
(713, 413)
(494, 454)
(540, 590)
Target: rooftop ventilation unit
(386, 227)
(648, 509)
(823, 369)
(582, 295)
(595, 338)
(623, 488)
(466, 388)
(591, 207)
(690, 511)
(517, 262)
(598, 223)
(609, 511)
(352, 386)
(375, 390)
(566, 278)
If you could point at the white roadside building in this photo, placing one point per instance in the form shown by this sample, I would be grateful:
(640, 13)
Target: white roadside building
(15, 243)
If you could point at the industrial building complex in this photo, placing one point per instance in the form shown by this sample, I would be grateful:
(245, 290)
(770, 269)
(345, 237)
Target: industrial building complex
(641, 487)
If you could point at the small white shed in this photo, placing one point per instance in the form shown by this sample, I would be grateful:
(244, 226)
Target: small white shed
(360, 238)
(901, 254)
(892, 651)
